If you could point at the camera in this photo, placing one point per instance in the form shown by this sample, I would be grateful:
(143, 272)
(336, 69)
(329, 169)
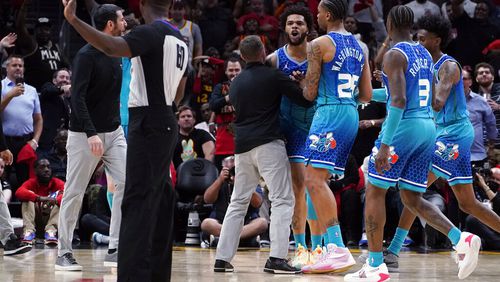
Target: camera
(232, 171)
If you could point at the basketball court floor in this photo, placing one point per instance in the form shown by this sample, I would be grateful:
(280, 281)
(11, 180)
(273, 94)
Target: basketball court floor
(195, 264)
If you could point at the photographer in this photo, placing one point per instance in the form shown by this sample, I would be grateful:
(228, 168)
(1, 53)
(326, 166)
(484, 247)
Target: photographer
(490, 238)
(219, 194)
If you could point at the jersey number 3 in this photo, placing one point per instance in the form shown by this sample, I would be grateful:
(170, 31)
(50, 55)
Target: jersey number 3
(347, 84)
(181, 52)
(423, 91)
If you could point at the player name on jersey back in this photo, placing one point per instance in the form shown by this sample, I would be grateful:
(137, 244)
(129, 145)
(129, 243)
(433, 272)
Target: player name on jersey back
(346, 53)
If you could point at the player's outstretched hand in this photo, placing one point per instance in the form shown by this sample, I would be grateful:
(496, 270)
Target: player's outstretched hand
(69, 9)
(382, 159)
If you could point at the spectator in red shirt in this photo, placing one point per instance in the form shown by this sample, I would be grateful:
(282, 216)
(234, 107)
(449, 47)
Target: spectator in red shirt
(224, 112)
(268, 25)
(41, 197)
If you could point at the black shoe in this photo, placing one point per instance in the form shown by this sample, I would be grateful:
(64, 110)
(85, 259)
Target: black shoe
(14, 247)
(280, 266)
(223, 266)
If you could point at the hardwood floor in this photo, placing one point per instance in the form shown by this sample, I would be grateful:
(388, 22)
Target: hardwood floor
(195, 264)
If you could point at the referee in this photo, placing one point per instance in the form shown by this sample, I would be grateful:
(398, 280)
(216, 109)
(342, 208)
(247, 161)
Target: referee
(159, 61)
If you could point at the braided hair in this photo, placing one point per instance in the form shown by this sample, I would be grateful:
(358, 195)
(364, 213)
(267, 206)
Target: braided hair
(401, 17)
(337, 8)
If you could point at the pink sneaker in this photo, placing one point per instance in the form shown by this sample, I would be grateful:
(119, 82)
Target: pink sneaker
(335, 260)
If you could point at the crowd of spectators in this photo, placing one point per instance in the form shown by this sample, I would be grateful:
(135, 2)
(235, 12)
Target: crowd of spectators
(37, 50)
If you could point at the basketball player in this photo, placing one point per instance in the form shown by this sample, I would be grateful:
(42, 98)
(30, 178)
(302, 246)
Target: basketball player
(455, 134)
(336, 68)
(295, 122)
(158, 79)
(402, 153)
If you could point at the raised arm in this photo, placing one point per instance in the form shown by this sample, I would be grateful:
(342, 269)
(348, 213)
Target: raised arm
(110, 45)
(449, 75)
(26, 44)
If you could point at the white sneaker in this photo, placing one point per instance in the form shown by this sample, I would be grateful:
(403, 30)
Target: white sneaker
(467, 254)
(369, 274)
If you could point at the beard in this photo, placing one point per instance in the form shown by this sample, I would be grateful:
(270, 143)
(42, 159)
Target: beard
(298, 42)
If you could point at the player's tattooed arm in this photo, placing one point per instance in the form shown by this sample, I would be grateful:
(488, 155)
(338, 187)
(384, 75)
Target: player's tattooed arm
(314, 60)
(449, 75)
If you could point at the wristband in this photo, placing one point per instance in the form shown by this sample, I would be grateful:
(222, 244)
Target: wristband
(379, 95)
(391, 124)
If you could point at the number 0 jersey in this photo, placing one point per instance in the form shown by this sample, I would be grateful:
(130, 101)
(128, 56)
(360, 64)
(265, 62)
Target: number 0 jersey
(455, 107)
(339, 77)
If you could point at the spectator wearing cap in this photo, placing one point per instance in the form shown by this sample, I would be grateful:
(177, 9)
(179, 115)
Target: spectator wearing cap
(268, 25)
(190, 31)
(224, 111)
(42, 57)
(207, 76)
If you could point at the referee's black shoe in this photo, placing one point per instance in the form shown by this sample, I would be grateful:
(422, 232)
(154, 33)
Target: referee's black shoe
(280, 266)
(223, 266)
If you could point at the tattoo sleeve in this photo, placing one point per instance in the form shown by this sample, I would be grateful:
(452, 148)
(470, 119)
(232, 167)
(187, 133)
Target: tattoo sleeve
(314, 58)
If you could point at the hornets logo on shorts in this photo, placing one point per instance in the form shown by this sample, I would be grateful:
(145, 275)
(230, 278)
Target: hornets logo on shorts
(446, 152)
(393, 157)
(323, 142)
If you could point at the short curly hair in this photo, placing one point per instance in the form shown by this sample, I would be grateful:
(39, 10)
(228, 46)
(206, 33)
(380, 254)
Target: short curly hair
(296, 10)
(437, 25)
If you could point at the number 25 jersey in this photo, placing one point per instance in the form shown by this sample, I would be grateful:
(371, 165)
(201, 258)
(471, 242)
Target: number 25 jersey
(339, 77)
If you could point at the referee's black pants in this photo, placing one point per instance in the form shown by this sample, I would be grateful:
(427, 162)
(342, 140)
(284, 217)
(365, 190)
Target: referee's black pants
(145, 252)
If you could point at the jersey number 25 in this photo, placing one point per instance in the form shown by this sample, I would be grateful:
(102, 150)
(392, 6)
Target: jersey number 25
(347, 84)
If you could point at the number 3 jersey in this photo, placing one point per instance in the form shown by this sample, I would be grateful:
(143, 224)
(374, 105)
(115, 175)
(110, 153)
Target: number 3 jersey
(418, 77)
(339, 77)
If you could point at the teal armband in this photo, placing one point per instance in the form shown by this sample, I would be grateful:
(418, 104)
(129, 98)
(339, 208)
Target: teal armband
(391, 124)
(379, 95)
